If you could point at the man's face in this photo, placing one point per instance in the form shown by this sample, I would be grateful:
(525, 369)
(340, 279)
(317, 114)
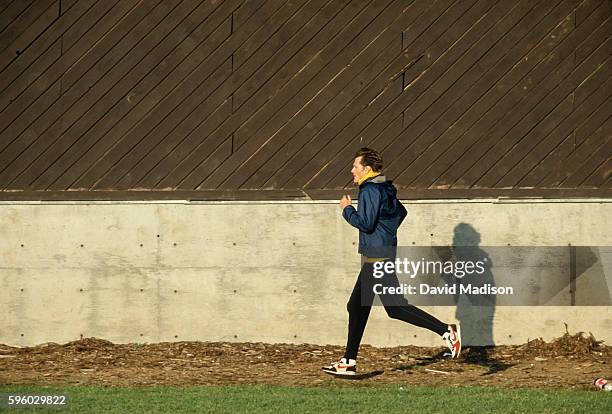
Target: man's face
(359, 171)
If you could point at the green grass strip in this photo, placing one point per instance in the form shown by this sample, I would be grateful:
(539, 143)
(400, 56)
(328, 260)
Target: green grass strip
(351, 399)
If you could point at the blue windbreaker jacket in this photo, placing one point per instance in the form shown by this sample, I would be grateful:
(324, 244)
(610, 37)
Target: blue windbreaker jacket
(378, 218)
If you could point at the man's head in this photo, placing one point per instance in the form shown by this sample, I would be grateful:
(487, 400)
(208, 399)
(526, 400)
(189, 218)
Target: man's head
(366, 160)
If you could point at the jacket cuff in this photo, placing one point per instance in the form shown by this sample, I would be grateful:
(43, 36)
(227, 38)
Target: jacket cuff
(347, 211)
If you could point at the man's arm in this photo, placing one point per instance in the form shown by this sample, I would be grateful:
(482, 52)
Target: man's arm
(369, 205)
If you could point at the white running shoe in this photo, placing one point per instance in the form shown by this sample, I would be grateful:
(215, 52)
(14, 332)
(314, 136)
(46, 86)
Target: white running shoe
(452, 337)
(342, 367)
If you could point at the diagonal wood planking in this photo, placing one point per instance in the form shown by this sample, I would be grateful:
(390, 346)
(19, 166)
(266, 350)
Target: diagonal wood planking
(368, 63)
(423, 28)
(439, 31)
(318, 101)
(201, 95)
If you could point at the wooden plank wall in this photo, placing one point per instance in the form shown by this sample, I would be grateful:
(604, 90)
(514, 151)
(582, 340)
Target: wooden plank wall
(270, 99)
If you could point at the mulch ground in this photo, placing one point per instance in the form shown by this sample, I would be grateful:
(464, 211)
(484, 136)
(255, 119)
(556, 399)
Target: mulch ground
(570, 362)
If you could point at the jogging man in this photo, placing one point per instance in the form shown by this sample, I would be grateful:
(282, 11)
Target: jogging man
(378, 218)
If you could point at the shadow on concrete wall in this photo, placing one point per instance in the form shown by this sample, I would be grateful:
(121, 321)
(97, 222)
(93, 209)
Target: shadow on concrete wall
(475, 312)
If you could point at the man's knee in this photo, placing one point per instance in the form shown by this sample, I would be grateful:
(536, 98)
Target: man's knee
(355, 305)
(352, 304)
(392, 312)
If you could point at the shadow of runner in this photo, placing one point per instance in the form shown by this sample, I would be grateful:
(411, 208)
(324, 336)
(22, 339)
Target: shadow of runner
(474, 355)
(481, 355)
(475, 312)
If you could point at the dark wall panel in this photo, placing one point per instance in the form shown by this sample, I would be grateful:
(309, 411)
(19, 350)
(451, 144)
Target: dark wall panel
(270, 99)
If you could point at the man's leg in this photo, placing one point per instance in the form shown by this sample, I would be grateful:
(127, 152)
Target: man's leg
(358, 306)
(397, 307)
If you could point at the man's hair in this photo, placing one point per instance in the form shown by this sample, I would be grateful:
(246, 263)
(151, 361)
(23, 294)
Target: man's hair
(370, 158)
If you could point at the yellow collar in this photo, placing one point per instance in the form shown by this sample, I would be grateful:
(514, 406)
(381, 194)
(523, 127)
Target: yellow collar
(371, 174)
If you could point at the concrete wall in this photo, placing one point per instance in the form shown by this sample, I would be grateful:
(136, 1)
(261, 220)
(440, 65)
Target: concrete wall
(254, 271)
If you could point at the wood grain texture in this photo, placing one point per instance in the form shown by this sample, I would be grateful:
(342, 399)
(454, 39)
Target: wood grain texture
(230, 99)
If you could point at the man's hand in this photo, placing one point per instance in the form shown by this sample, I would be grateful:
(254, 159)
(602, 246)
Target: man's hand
(345, 201)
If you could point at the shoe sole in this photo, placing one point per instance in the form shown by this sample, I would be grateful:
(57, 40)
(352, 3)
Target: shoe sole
(357, 376)
(340, 374)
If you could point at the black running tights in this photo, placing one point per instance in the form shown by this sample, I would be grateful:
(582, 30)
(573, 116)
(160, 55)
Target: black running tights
(360, 304)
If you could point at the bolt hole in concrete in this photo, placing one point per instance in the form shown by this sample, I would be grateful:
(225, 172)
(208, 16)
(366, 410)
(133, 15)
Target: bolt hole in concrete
(21, 289)
(174, 244)
(22, 245)
(82, 245)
